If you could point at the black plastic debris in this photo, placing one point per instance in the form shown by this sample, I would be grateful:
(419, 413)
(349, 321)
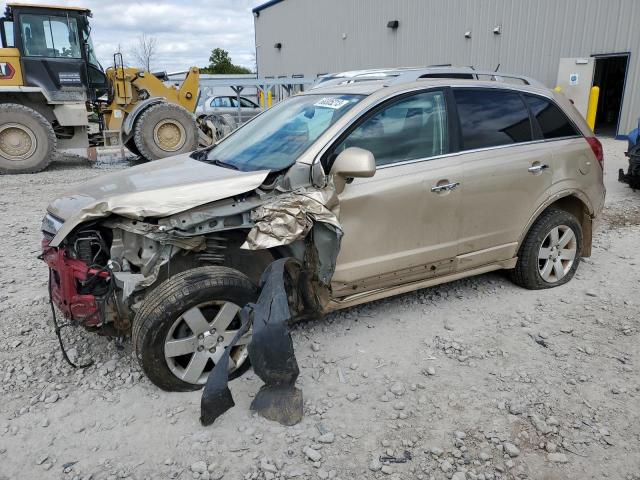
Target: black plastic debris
(216, 396)
(270, 351)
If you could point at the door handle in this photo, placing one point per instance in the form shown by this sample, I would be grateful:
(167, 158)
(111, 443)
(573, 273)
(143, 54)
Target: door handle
(446, 187)
(538, 168)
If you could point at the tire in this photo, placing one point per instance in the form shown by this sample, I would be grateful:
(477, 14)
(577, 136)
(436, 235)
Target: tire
(27, 140)
(131, 146)
(163, 130)
(531, 269)
(159, 320)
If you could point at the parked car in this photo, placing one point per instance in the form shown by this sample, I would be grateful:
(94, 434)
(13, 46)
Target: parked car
(229, 104)
(437, 180)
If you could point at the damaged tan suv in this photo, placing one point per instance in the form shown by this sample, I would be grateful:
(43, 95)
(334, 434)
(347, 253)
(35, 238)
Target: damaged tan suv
(377, 188)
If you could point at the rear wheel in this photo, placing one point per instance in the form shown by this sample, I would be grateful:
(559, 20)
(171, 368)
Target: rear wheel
(163, 130)
(550, 253)
(183, 326)
(27, 140)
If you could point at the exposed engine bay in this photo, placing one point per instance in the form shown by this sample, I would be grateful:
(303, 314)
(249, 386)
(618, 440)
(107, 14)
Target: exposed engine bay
(101, 270)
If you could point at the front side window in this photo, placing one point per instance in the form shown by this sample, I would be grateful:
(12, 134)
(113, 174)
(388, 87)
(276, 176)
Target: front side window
(275, 139)
(412, 128)
(553, 122)
(489, 118)
(50, 36)
(221, 102)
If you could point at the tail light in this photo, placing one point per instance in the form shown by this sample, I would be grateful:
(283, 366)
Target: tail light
(596, 146)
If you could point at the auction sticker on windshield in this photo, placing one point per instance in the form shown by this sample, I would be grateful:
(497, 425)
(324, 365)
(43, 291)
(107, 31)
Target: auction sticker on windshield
(328, 102)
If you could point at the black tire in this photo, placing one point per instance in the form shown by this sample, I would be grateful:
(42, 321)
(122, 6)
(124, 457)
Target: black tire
(172, 298)
(35, 129)
(527, 271)
(180, 122)
(131, 146)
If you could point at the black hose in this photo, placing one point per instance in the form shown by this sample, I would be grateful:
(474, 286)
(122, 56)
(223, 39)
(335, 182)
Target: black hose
(58, 328)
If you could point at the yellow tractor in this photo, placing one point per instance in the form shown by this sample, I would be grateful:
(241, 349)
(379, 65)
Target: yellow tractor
(53, 91)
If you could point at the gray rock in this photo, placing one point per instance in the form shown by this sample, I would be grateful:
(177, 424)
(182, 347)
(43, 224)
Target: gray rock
(557, 458)
(387, 469)
(397, 389)
(511, 449)
(199, 467)
(436, 451)
(399, 406)
(313, 455)
(53, 398)
(485, 456)
(459, 476)
(375, 465)
(446, 466)
(328, 437)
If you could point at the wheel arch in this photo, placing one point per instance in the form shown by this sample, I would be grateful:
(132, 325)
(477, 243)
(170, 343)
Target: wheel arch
(577, 204)
(130, 120)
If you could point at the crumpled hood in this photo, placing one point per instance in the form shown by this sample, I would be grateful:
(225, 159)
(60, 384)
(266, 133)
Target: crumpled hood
(154, 189)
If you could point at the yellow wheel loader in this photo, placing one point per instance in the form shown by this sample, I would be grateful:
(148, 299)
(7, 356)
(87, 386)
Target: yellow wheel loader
(54, 94)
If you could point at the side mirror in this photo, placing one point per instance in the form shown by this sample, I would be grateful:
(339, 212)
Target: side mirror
(351, 163)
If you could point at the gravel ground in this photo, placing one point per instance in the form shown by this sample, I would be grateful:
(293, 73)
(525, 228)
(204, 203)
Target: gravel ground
(476, 379)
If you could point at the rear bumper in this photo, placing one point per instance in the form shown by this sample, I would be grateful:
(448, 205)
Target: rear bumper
(66, 277)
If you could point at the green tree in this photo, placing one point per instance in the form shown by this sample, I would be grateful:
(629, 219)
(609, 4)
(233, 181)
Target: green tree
(220, 62)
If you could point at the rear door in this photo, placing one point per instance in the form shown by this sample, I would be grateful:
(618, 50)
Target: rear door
(506, 173)
(399, 225)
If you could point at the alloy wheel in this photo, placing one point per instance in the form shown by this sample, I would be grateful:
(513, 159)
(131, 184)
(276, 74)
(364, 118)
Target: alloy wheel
(197, 339)
(557, 253)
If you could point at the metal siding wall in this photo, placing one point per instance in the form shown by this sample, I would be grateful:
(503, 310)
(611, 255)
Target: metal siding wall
(535, 35)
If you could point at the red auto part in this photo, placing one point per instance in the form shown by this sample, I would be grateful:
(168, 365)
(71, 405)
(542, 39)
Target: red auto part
(66, 273)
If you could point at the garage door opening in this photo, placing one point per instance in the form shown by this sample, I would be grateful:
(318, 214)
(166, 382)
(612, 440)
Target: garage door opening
(610, 75)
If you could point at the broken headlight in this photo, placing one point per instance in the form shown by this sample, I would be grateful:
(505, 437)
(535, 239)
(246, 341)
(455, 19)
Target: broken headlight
(51, 224)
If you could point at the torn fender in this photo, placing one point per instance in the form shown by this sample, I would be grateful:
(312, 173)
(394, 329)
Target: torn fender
(270, 351)
(290, 216)
(155, 189)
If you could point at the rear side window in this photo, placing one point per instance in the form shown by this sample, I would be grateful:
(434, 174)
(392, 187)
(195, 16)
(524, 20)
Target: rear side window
(552, 121)
(489, 118)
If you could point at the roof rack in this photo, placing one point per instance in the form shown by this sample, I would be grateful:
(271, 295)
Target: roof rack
(461, 72)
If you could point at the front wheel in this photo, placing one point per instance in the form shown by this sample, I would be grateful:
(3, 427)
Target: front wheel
(183, 326)
(550, 253)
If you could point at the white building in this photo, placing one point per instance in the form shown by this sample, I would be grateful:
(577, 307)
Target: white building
(312, 37)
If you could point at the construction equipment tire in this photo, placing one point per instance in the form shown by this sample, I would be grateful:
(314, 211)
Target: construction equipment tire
(27, 140)
(165, 129)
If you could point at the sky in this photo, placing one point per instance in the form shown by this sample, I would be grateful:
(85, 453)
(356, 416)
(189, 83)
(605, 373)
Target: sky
(187, 30)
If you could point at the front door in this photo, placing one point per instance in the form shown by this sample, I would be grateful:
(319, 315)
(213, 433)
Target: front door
(400, 225)
(506, 174)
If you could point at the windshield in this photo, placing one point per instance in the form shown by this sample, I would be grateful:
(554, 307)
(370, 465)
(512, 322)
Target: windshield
(274, 140)
(50, 36)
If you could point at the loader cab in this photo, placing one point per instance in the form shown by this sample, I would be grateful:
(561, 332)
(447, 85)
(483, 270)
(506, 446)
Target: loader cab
(56, 52)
